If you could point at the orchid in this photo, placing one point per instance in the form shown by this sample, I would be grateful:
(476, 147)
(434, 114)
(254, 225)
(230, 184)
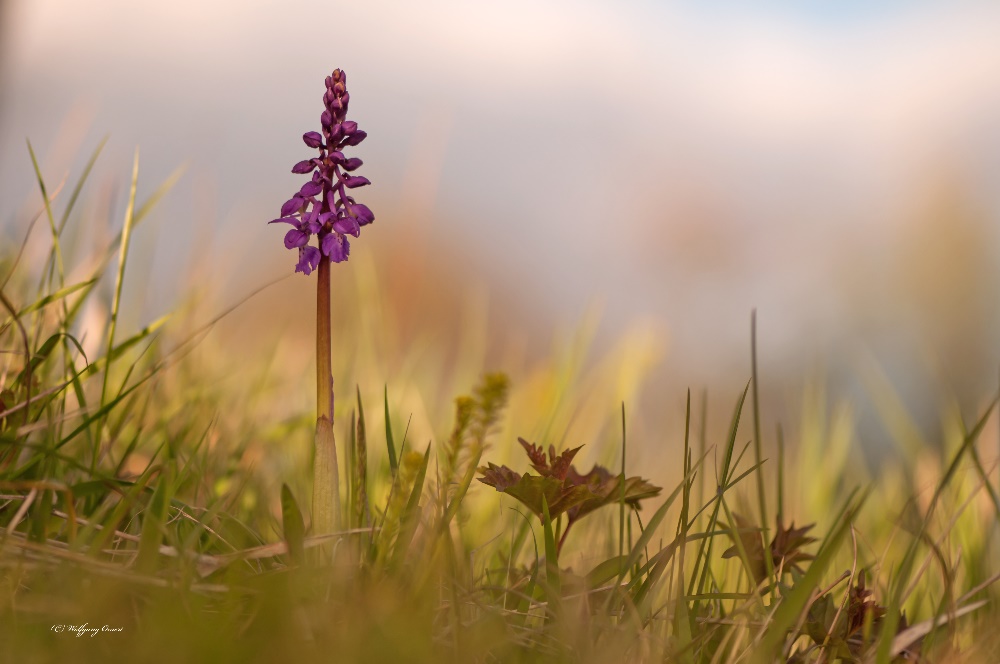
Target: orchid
(322, 206)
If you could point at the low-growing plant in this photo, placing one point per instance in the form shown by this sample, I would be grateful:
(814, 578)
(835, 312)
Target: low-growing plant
(560, 488)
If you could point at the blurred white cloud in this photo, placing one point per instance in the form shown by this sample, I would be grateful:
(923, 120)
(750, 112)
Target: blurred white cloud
(580, 149)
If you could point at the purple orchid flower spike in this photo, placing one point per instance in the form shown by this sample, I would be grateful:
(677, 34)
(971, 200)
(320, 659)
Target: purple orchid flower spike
(322, 206)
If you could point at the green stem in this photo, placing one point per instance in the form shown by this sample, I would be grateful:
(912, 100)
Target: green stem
(326, 480)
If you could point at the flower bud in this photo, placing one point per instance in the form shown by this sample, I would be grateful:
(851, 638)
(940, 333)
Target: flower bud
(291, 206)
(353, 181)
(310, 189)
(355, 138)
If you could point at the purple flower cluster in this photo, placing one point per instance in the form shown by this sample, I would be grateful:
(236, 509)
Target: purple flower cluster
(322, 207)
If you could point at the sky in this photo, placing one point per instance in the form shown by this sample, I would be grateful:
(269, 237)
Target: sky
(680, 162)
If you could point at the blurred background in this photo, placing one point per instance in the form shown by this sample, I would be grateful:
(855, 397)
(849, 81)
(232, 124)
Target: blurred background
(639, 175)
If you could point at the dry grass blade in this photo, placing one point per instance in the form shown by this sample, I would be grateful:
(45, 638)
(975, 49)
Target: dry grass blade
(911, 635)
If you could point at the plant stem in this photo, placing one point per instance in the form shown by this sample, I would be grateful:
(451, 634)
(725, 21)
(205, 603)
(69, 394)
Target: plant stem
(563, 538)
(326, 480)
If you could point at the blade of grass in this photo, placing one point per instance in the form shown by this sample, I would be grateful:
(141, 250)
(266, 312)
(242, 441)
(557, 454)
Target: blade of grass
(702, 444)
(552, 581)
(56, 249)
(101, 363)
(293, 525)
(410, 519)
(463, 488)
(154, 521)
(80, 182)
(147, 206)
(621, 501)
(911, 635)
(683, 629)
(650, 530)
(605, 571)
(758, 455)
(125, 503)
(59, 295)
(350, 474)
(524, 605)
(742, 553)
(781, 477)
(360, 497)
(116, 301)
(642, 597)
(705, 548)
(977, 462)
(393, 463)
(20, 252)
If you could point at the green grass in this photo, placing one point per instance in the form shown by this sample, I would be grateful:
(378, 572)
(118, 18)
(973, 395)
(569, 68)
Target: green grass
(141, 490)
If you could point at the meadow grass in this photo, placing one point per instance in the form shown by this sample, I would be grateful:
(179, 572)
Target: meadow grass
(140, 492)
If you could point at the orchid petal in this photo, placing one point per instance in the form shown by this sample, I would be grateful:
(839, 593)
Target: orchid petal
(363, 213)
(310, 189)
(309, 258)
(347, 226)
(353, 181)
(295, 238)
(292, 205)
(336, 247)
